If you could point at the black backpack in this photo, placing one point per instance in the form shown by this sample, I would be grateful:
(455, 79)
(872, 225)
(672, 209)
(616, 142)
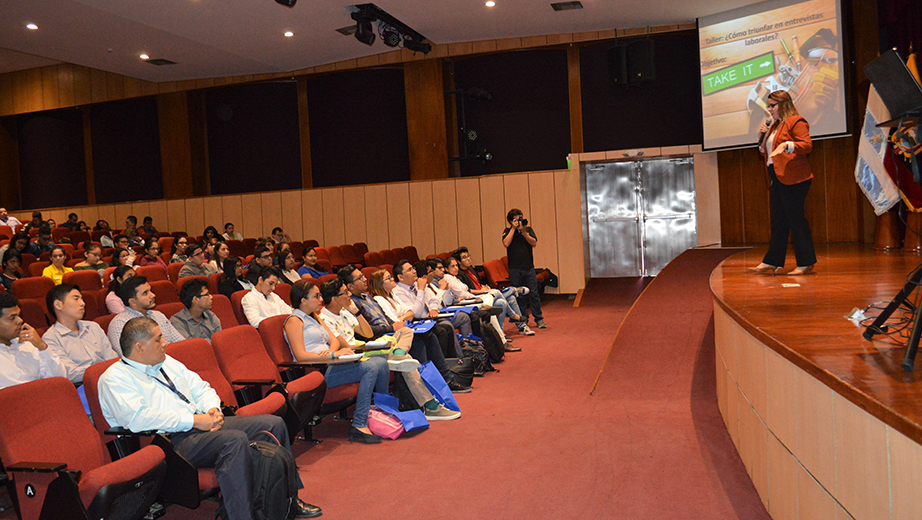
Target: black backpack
(473, 348)
(274, 479)
(493, 343)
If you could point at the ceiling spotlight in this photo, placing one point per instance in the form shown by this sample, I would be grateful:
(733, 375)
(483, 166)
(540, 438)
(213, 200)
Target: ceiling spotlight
(363, 30)
(144, 57)
(416, 46)
(389, 35)
(289, 34)
(31, 26)
(491, 3)
(286, 3)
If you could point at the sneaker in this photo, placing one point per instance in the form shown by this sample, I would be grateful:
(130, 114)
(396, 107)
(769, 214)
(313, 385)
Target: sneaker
(526, 331)
(540, 324)
(442, 414)
(509, 348)
(458, 388)
(403, 363)
(521, 291)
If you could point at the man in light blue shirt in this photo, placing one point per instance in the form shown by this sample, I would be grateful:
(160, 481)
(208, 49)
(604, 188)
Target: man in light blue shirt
(148, 390)
(77, 343)
(139, 300)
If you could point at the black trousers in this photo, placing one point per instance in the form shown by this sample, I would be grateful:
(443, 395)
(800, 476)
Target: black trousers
(227, 451)
(788, 219)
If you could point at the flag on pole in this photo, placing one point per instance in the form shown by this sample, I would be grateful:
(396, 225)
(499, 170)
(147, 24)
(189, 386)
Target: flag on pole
(870, 173)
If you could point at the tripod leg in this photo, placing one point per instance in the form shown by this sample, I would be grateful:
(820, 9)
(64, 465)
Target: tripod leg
(912, 347)
(876, 327)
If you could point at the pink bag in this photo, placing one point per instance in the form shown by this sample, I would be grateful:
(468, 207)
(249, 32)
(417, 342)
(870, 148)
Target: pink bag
(384, 424)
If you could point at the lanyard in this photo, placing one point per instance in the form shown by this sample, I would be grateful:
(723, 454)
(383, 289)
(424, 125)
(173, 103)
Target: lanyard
(170, 386)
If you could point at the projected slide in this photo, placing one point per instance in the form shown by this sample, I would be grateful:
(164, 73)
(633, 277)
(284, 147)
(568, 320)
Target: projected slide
(750, 52)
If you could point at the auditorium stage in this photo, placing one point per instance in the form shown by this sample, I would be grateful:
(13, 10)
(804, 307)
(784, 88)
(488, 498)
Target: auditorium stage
(782, 343)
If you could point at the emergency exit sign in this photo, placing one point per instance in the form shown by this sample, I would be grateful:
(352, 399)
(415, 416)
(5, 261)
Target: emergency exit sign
(743, 72)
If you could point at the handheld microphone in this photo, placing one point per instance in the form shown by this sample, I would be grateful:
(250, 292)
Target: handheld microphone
(768, 122)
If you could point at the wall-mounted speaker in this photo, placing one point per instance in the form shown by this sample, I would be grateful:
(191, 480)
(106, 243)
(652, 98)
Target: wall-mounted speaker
(640, 66)
(617, 66)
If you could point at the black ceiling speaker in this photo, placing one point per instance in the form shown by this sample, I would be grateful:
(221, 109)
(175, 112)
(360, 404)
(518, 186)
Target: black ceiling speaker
(640, 66)
(617, 66)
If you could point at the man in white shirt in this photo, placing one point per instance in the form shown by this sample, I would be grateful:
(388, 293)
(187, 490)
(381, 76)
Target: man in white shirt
(139, 300)
(24, 356)
(262, 302)
(77, 343)
(147, 390)
(7, 220)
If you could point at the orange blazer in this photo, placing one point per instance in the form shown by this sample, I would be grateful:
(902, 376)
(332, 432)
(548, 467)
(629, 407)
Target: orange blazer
(791, 168)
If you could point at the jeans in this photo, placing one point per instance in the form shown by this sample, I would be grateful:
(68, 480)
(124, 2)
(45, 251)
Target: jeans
(527, 278)
(372, 375)
(426, 348)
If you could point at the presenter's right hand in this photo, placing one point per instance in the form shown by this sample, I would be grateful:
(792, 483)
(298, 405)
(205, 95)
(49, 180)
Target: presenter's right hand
(764, 128)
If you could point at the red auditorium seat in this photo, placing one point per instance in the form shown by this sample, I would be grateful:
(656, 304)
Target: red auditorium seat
(238, 307)
(172, 271)
(284, 291)
(237, 248)
(6, 231)
(368, 271)
(32, 311)
(351, 255)
(91, 304)
(27, 259)
(311, 243)
(336, 257)
(169, 309)
(87, 279)
(182, 281)
(35, 287)
(82, 485)
(165, 291)
(223, 309)
(373, 259)
(361, 248)
(36, 268)
(166, 244)
(297, 250)
(213, 282)
(104, 320)
(389, 256)
(322, 253)
(151, 272)
(324, 265)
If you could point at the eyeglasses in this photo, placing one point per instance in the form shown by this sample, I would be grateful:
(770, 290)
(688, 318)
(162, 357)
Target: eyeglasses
(315, 295)
(344, 293)
(772, 105)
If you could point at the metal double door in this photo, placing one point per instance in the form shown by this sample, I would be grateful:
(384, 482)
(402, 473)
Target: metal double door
(641, 215)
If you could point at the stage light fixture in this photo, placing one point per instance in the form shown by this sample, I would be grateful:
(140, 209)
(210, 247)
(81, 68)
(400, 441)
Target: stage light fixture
(363, 29)
(389, 35)
(416, 46)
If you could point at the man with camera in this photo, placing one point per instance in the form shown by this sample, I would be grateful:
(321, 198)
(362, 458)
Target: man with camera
(520, 241)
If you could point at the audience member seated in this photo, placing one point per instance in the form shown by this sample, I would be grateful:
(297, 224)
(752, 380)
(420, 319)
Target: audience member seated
(196, 320)
(286, 264)
(115, 304)
(262, 259)
(262, 302)
(71, 222)
(77, 343)
(311, 340)
(131, 231)
(42, 242)
(411, 294)
(92, 254)
(178, 251)
(339, 316)
(280, 248)
(7, 220)
(209, 233)
(229, 232)
(149, 390)
(81, 226)
(19, 242)
(232, 280)
(151, 255)
(122, 256)
(310, 267)
(36, 222)
(52, 223)
(139, 300)
(56, 270)
(148, 227)
(195, 265)
(221, 252)
(101, 225)
(11, 262)
(26, 356)
(468, 276)
(279, 236)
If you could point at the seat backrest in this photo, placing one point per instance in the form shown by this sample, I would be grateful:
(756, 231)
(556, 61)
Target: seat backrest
(411, 254)
(360, 248)
(241, 354)
(325, 265)
(311, 243)
(199, 357)
(104, 320)
(249, 245)
(327, 277)
(165, 291)
(237, 248)
(350, 254)
(153, 273)
(182, 281)
(213, 282)
(91, 304)
(297, 250)
(87, 279)
(166, 244)
(284, 292)
(91, 386)
(27, 259)
(6, 230)
(32, 311)
(368, 271)
(223, 309)
(29, 433)
(172, 271)
(107, 275)
(271, 330)
(388, 256)
(373, 259)
(493, 270)
(36, 268)
(35, 287)
(336, 256)
(58, 233)
(79, 237)
(322, 253)
(169, 309)
(237, 305)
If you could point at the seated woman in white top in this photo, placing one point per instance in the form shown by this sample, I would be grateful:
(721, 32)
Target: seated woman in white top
(221, 252)
(286, 263)
(115, 304)
(381, 286)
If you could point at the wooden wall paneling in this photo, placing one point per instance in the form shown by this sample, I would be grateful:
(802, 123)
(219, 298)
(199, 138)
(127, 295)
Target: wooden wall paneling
(756, 211)
(816, 206)
(542, 216)
(470, 233)
(232, 212)
(426, 132)
(570, 261)
(198, 144)
(292, 221)
(731, 197)
(422, 218)
(707, 198)
(779, 397)
(140, 210)
(83, 87)
(376, 217)
(121, 212)
(334, 232)
(10, 195)
(751, 374)
(307, 176)
(132, 87)
(753, 447)
(862, 476)
(195, 216)
(251, 219)
(272, 212)
(905, 474)
(354, 210)
(158, 212)
(50, 95)
(176, 215)
(493, 217)
(814, 427)
(98, 90)
(516, 194)
(446, 216)
(115, 88)
(106, 212)
(312, 215)
(576, 100)
(6, 94)
(175, 145)
(398, 213)
(59, 215)
(66, 86)
(213, 213)
(842, 193)
(27, 90)
(812, 500)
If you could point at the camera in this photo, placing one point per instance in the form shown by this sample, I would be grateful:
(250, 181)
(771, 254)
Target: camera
(523, 221)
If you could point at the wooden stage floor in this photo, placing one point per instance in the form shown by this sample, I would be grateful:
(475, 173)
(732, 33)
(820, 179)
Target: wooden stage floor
(803, 319)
